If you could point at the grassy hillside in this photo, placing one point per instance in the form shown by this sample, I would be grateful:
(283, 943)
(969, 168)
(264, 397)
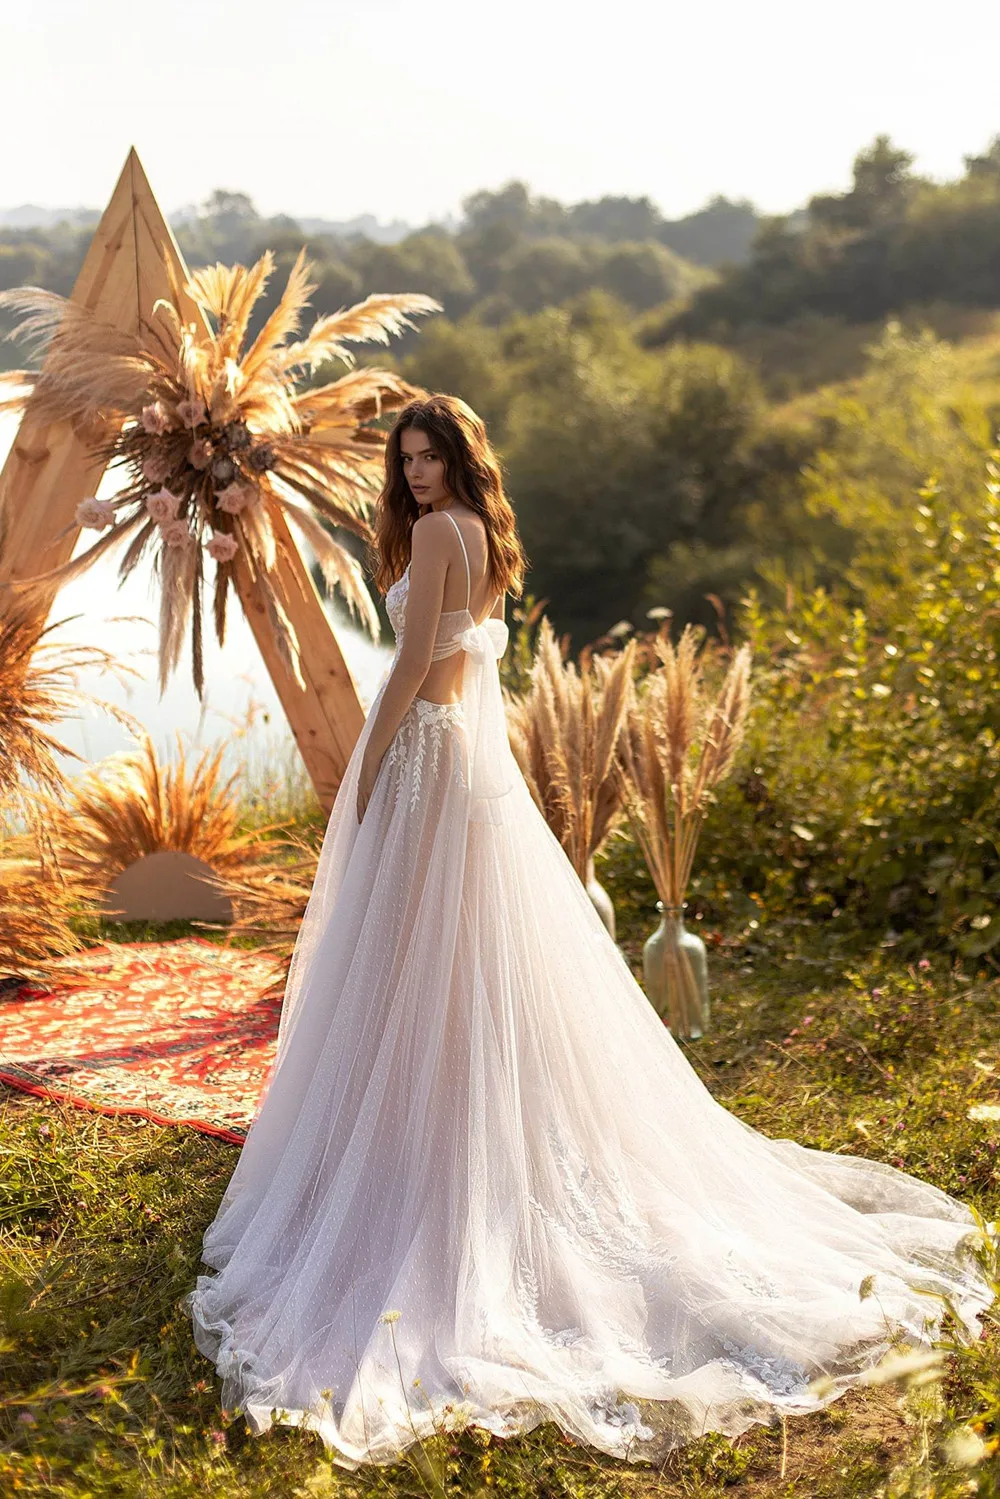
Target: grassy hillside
(104, 1393)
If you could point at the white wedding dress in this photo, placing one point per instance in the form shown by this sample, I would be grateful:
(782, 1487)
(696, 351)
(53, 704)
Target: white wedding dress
(476, 1120)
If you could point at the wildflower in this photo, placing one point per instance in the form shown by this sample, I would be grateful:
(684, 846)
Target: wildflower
(155, 419)
(162, 506)
(95, 513)
(924, 963)
(964, 1448)
(222, 547)
(200, 453)
(389, 1317)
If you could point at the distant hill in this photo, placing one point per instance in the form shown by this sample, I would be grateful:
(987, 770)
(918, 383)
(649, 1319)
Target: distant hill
(364, 226)
(31, 216)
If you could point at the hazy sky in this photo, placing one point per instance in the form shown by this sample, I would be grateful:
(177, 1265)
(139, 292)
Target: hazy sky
(398, 109)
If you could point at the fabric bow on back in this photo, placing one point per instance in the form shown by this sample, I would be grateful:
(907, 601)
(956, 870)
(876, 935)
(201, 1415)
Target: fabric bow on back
(492, 766)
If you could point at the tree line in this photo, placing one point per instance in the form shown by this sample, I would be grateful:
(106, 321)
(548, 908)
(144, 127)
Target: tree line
(635, 371)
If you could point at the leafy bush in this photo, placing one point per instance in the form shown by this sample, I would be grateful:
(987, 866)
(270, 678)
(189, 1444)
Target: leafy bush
(868, 794)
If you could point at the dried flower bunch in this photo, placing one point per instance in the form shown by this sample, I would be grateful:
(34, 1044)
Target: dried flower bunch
(216, 441)
(678, 743)
(563, 733)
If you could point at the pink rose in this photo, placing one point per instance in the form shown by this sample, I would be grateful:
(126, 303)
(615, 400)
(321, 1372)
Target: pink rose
(176, 533)
(96, 513)
(155, 419)
(162, 506)
(222, 547)
(156, 467)
(191, 412)
(235, 497)
(200, 453)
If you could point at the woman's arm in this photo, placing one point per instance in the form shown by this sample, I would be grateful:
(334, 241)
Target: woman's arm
(428, 569)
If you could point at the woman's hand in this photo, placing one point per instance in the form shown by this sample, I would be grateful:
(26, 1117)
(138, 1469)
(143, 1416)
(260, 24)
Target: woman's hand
(366, 781)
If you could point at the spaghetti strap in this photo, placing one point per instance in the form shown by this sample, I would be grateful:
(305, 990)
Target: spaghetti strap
(468, 575)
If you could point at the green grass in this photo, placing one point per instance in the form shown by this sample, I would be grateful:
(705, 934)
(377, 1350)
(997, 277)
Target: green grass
(104, 1394)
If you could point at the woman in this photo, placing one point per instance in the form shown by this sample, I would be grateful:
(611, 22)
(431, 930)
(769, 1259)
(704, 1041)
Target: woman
(483, 1182)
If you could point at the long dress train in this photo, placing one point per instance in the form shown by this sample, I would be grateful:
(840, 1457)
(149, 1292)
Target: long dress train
(483, 1183)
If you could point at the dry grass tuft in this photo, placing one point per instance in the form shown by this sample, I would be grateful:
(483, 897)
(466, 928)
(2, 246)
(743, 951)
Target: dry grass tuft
(37, 691)
(131, 805)
(271, 895)
(38, 902)
(563, 733)
(39, 897)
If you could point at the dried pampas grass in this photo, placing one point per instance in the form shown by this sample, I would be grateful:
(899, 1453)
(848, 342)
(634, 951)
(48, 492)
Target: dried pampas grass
(38, 903)
(218, 446)
(563, 733)
(38, 690)
(678, 743)
(131, 805)
(270, 896)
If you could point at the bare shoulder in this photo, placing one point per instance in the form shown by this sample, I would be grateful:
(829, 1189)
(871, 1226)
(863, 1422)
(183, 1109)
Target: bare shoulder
(430, 536)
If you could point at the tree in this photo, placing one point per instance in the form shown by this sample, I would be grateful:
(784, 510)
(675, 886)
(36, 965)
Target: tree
(428, 261)
(881, 190)
(985, 166)
(642, 275)
(543, 273)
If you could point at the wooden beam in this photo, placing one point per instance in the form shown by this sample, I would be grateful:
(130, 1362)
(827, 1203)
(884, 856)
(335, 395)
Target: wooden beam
(49, 470)
(326, 717)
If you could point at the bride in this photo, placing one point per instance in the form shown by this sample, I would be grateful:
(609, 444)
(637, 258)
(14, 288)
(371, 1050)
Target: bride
(483, 1183)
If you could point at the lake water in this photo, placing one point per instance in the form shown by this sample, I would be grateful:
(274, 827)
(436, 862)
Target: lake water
(240, 706)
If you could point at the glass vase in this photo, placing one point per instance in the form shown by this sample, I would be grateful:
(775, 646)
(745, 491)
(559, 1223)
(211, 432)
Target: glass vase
(600, 898)
(675, 970)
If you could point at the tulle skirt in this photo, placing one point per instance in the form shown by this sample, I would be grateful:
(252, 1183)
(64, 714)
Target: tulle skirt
(483, 1183)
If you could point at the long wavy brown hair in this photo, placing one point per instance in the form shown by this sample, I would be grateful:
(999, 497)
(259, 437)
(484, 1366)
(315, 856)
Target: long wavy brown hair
(472, 475)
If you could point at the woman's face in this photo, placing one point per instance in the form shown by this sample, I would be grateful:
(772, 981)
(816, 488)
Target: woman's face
(423, 467)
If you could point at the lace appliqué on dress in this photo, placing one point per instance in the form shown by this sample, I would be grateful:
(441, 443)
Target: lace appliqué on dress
(779, 1375)
(622, 1415)
(622, 1244)
(760, 1286)
(430, 733)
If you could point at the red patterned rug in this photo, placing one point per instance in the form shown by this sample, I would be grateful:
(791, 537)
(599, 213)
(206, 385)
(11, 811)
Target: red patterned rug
(180, 1032)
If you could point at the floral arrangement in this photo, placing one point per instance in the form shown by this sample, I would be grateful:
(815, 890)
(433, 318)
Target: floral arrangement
(216, 441)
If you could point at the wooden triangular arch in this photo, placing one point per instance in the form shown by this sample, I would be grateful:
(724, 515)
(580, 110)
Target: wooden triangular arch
(49, 470)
